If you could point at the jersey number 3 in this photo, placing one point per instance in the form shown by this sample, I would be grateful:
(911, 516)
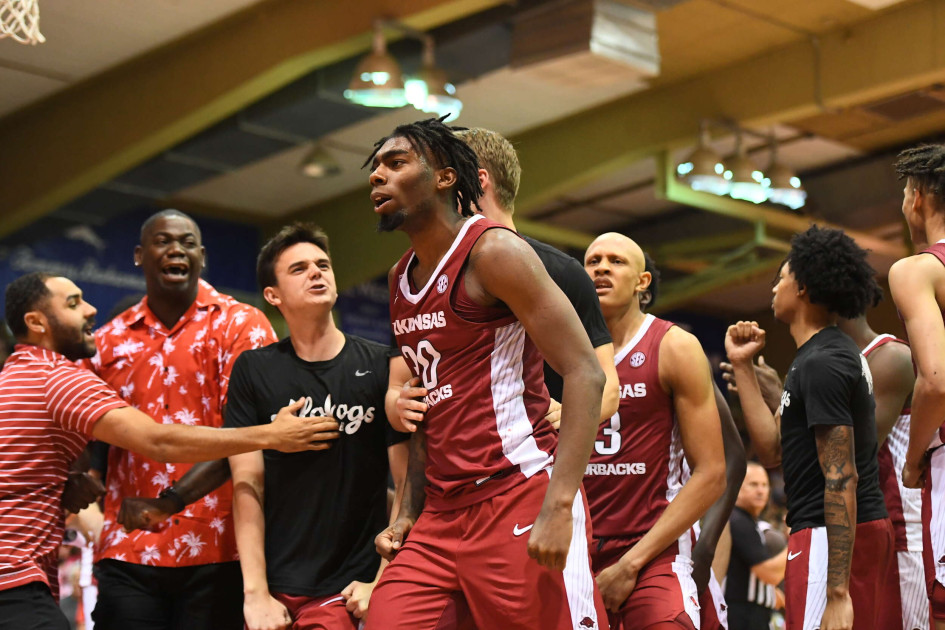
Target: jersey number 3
(425, 359)
(612, 432)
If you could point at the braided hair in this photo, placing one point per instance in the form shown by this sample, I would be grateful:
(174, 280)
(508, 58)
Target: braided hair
(925, 166)
(432, 138)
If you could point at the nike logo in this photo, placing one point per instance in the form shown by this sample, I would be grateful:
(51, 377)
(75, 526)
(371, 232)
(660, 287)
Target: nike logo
(791, 556)
(360, 373)
(518, 531)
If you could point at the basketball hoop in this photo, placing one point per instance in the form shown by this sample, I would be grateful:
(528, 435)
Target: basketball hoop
(19, 19)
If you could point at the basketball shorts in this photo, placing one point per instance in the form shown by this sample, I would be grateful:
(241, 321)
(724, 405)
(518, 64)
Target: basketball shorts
(665, 590)
(318, 613)
(480, 552)
(872, 578)
(714, 611)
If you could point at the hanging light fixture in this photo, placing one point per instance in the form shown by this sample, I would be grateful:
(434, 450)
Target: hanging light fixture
(703, 169)
(319, 163)
(785, 187)
(377, 81)
(430, 91)
(745, 178)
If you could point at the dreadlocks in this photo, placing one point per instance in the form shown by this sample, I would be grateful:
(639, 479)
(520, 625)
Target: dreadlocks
(431, 138)
(925, 166)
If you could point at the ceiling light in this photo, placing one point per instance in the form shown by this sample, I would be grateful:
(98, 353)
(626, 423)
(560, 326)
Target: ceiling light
(703, 169)
(785, 187)
(430, 91)
(377, 81)
(319, 163)
(745, 178)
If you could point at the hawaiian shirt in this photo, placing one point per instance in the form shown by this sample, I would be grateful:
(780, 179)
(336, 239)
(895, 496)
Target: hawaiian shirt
(175, 376)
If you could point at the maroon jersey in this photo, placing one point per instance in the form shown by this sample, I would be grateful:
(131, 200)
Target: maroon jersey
(637, 466)
(903, 504)
(486, 397)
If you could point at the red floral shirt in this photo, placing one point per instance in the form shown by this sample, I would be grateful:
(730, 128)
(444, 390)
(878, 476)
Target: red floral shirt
(177, 376)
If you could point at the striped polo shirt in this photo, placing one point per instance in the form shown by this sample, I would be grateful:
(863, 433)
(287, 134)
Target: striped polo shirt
(48, 406)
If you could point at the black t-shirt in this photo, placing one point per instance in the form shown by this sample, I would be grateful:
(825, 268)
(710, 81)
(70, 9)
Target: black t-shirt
(748, 549)
(574, 282)
(322, 508)
(828, 384)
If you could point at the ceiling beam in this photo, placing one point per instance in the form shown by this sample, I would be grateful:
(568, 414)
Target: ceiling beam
(893, 52)
(64, 146)
(679, 292)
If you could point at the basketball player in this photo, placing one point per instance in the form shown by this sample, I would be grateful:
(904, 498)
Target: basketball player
(890, 363)
(642, 510)
(483, 514)
(826, 430)
(918, 288)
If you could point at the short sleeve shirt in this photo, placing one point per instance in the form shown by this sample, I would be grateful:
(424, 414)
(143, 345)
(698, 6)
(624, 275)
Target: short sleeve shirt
(577, 286)
(177, 376)
(48, 406)
(829, 384)
(748, 549)
(322, 508)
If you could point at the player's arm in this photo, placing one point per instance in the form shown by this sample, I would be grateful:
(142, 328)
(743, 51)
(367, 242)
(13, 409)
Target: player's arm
(149, 513)
(684, 372)
(610, 401)
(768, 381)
(716, 518)
(128, 428)
(358, 594)
(404, 399)
(893, 382)
(742, 342)
(771, 571)
(837, 461)
(389, 541)
(260, 608)
(912, 282)
(551, 322)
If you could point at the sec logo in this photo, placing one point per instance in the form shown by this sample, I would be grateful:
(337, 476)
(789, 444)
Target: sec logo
(441, 283)
(637, 359)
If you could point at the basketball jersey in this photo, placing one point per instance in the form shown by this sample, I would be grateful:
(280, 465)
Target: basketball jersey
(903, 504)
(486, 397)
(636, 467)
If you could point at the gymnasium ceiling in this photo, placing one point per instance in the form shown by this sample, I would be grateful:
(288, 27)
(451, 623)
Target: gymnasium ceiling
(210, 106)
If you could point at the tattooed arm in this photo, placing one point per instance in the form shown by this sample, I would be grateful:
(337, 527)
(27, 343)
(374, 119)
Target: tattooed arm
(835, 451)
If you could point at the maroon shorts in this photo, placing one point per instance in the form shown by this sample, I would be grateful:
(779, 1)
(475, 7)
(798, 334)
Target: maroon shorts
(872, 578)
(665, 590)
(714, 611)
(318, 613)
(480, 553)
(937, 601)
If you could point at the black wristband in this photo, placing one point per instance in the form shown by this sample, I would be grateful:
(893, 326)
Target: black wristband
(171, 493)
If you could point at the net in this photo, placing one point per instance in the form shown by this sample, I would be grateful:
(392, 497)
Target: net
(19, 19)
